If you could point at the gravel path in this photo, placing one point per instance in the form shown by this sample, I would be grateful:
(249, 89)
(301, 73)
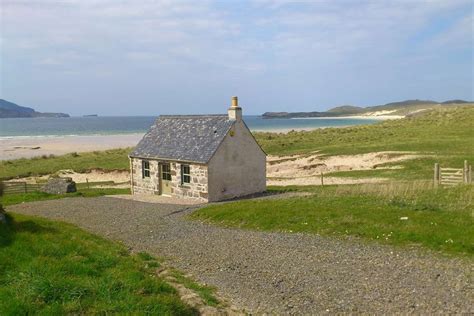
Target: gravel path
(277, 272)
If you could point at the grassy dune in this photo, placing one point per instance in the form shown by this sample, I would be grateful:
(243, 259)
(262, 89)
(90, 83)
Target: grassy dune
(444, 135)
(54, 268)
(442, 131)
(114, 159)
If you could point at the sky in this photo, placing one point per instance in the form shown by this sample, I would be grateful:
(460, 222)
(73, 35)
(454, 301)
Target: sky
(144, 57)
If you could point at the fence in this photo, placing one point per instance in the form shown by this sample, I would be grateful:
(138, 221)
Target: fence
(24, 187)
(20, 187)
(452, 176)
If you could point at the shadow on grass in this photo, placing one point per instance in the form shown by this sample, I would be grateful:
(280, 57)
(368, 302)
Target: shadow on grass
(12, 227)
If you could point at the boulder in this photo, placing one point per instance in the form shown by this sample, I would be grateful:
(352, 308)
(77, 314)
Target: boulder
(59, 186)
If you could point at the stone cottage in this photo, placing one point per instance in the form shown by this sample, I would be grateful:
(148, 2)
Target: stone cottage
(205, 157)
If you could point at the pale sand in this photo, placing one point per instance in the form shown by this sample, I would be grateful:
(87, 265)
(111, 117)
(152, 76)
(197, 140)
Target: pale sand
(370, 116)
(28, 147)
(307, 169)
(121, 177)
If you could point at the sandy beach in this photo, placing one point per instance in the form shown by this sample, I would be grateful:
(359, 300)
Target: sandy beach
(33, 146)
(28, 147)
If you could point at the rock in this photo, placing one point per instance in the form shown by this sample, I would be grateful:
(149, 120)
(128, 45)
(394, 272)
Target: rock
(59, 186)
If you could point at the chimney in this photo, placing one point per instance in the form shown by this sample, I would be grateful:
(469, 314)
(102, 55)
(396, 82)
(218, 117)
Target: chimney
(235, 111)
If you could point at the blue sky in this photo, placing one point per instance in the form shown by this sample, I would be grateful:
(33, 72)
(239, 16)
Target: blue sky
(145, 57)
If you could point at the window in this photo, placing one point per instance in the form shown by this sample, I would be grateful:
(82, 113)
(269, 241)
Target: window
(145, 169)
(185, 174)
(166, 172)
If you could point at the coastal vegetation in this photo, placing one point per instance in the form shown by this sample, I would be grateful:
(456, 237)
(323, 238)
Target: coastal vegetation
(55, 268)
(410, 213)
(406, 107)
(11, 199)
(444, 135)
(114, 159)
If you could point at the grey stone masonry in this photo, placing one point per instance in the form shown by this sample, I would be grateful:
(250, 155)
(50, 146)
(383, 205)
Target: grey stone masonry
(59, 186)
(142, 185)
(196, 189)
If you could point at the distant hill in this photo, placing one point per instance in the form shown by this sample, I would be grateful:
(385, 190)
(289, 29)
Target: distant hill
(12, 110)
(402, 108)
(344, 109)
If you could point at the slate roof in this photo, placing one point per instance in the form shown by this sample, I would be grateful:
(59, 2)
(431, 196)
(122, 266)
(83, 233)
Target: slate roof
(193, 138)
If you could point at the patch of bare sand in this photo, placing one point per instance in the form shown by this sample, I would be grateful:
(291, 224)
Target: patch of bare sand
(118, 177)
(307, 169)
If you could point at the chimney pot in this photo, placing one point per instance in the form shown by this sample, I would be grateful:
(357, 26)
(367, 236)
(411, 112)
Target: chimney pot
(235, 111)
(235, 102)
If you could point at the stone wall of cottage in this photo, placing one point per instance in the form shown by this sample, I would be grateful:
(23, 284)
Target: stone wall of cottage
(142, 185)
(197, 189)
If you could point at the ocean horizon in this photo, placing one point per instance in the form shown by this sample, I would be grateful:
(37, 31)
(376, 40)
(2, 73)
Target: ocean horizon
(117, 125)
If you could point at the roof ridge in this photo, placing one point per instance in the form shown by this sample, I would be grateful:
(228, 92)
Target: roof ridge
(191, 115)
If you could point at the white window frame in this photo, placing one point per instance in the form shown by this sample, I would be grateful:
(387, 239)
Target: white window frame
(185, 177)
(145, 169)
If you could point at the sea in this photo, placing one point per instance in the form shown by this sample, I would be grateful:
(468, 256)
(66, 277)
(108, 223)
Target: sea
(113, 125)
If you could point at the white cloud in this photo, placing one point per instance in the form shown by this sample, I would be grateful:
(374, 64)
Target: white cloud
(266, 44)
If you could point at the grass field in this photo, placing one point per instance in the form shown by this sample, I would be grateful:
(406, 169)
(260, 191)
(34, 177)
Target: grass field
(439, 219)
(114, 159)
(10, 199)
(54, 268)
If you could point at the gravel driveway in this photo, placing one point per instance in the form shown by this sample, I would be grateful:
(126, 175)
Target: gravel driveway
(277, 272)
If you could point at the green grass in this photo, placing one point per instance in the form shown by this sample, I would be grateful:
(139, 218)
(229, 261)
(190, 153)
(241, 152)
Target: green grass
(114, 159)
(447, 130)
(10, 199)
(446, 135)
(55, 268)
(438, 219)
(205, 292)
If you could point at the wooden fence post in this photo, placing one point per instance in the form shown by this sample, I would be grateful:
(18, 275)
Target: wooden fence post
(436, 175)
(322, 178)
(466, 172)
(469, 177)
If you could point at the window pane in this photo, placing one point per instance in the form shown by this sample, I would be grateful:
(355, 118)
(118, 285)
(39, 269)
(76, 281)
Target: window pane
(185, 174)
(166, 172)
(145, 169)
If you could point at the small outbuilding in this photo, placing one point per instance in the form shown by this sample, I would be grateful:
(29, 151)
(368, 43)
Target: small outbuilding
(204, 157)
